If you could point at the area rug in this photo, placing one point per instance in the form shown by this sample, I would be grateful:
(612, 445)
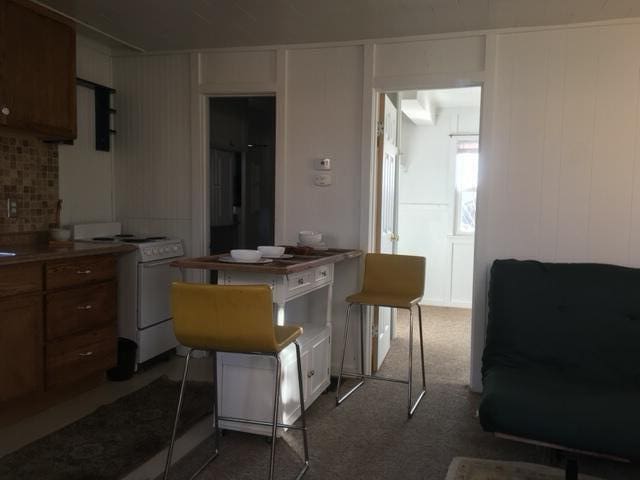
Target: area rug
(463, 468)
(114, 439)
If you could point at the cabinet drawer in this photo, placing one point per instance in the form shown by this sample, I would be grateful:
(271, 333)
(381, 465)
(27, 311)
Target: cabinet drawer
(79, 270)
(324, 273)
(298, 283)
(79, 356)
(80, 309)
(21, 278)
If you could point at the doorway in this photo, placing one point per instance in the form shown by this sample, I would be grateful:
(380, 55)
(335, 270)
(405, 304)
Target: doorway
(241, 172)
(427, 154)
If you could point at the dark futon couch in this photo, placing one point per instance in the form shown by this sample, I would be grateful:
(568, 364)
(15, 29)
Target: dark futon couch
(561, 363)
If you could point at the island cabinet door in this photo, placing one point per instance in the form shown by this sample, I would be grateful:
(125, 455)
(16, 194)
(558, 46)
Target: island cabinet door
(319, 372)
(21, 347)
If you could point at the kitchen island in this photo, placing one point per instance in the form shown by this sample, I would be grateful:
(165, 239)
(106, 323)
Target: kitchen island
(302, 295)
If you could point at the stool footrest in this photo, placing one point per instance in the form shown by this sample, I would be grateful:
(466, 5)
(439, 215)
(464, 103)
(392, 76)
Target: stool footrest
(261, 422)
(415, 404)
(376, 377)
(204, 465)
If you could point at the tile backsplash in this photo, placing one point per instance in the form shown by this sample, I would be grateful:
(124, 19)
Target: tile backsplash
(28, 173)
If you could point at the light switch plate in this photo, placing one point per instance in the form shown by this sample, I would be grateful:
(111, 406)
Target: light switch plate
(12, 208)
(322, 180)
(323, 164)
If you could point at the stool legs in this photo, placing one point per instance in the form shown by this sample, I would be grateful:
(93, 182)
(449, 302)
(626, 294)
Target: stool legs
(340, 399)
(175, 422)
(274, 427)
(424, 377)
(216, 416)
(303, 415)
(411, 406)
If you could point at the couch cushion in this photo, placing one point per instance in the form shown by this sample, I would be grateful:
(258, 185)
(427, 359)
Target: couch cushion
(556, 409)
(581, 321)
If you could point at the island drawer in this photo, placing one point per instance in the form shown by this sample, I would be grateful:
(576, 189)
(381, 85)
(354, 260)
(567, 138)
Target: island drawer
(79, 270)
(20, 278)
(79, 356)
(79, 309)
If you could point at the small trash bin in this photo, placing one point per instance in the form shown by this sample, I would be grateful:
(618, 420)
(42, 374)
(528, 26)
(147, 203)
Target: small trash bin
(126, 366)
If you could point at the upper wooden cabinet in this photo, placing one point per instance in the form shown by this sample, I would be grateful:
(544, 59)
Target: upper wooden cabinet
(37, 71)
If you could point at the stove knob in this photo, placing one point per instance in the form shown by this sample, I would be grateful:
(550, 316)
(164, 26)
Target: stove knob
(165, 249)
(175, 248)
(155, 249)
(147, 251)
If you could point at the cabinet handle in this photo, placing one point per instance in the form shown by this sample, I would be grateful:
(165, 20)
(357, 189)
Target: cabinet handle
(5, 110)
(85, 354)
(311, 373)
(84, 307)
(83, 272)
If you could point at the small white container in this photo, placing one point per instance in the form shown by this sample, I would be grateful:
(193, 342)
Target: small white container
(271, 251)
(60, 234)
(246, 255)
(308, 237)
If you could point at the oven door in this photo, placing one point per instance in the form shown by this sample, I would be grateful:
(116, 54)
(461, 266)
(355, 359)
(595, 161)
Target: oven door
(154, 291)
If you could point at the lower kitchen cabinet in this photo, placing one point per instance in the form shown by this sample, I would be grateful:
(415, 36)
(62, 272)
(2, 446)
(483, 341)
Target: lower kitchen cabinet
(58, 327)
(21, 346)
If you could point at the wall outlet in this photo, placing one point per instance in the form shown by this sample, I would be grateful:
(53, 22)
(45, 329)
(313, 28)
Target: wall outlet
(12, 208)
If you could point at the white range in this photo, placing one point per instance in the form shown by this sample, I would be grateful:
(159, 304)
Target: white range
(144, 282)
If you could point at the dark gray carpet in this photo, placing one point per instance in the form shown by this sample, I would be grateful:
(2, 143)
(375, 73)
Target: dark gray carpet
(111, 441)
(370, 437)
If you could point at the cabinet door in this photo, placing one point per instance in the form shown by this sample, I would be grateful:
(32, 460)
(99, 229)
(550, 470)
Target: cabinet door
(319, 373)
(37, 72)
(21, 347)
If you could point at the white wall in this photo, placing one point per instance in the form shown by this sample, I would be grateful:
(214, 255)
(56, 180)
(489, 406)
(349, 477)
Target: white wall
(86, 175)
(153, 154)
(426, 208)
(324, 106)
(561, 173)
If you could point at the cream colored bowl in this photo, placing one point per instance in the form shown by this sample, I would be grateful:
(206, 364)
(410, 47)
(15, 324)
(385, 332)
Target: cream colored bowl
(246, 255)
(271, 251)
(60, 234)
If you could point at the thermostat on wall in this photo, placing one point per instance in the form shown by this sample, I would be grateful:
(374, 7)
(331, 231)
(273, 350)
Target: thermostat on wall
(323, 164)
(322, 179)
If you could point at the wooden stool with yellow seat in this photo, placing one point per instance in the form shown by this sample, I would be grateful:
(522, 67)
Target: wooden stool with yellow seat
(395, 281)
(238, 319)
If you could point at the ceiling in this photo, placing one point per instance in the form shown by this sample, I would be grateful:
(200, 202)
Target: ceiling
(191, 24)
(455, 97)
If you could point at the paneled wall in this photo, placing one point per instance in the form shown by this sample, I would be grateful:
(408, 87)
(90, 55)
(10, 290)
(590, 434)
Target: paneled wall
(153, 154)
(86, 175)
(324, 119)
(562, 176)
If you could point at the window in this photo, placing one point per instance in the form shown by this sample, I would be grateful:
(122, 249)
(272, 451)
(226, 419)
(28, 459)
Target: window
(466, 185)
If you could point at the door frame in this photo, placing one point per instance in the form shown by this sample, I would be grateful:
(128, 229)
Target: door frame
(199, 114)
(372, 92)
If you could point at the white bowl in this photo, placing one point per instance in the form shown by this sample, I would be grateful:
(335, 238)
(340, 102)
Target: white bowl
(60, 234)
(271, 251)
(246, 255)
(308, 237)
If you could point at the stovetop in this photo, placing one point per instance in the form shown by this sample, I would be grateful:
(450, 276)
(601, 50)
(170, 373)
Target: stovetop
(129, 238)
(150, 247)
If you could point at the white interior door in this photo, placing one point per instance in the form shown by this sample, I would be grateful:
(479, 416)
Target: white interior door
(388, 215)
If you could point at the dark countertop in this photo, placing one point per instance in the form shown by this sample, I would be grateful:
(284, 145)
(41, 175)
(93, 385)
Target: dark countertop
(56, 251)
(279, 267)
